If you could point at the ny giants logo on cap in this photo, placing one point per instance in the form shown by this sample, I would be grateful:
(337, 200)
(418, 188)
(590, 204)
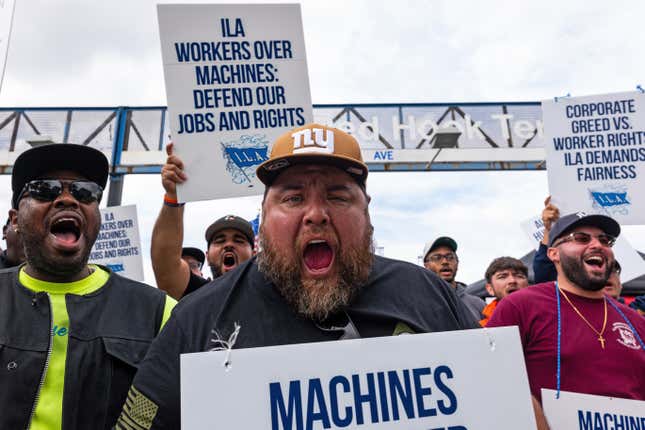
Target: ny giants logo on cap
(313, 140)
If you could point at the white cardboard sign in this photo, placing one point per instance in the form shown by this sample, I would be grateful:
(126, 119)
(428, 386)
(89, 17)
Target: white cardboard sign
(413, 382)
(595, 153)
(534, 229)
(236, 79)
(574, 411)
(118, 245)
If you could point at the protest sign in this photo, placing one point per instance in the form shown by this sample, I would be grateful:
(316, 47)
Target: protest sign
(574, 411)
(534, 229)
(595, 153)
(423, 381)
(236, 78)
(117, 245)
(631, 264)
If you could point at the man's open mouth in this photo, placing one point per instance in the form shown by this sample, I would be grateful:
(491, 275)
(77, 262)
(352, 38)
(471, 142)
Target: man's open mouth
(66, 230)
(229, 260)
(595, 261)
(318, 255)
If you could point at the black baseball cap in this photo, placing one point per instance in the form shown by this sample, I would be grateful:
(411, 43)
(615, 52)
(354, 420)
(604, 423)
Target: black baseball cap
(568, 222)
(441, 241)
(196, 253)
(234, 222)
(37, 161)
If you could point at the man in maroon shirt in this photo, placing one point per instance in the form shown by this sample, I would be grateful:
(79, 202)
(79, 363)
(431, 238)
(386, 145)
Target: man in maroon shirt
(602, 350)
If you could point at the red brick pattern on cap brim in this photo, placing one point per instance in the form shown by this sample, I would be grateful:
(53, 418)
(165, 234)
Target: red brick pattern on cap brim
(346, 156)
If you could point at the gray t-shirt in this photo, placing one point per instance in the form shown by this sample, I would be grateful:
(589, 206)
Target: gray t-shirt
(474, 304)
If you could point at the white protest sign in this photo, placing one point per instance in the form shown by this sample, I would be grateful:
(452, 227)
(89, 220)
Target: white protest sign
(118, 245)
(236, 79)
(534, 229)
(574, 411)
(595, 153)
(416, 382)
(631, 264)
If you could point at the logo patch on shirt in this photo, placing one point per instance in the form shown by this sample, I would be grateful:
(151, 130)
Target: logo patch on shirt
(627, 337)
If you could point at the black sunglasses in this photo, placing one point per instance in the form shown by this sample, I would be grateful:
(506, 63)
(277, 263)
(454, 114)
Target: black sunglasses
(49, 189)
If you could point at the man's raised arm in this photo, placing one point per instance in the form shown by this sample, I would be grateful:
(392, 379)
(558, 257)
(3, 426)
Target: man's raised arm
(171, 272)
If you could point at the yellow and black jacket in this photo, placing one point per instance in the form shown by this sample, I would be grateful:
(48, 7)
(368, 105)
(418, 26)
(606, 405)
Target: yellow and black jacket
(109, 333)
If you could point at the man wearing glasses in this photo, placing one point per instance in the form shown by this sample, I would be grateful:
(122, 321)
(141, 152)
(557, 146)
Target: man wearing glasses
(71, 334)
(440, 257)
(597, 341)
(316, 278)
(195, 258)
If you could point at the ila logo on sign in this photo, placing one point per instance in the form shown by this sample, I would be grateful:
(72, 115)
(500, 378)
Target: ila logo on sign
(313, 140)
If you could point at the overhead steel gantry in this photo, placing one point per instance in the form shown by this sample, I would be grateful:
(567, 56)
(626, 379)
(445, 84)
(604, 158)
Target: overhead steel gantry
(393, 137)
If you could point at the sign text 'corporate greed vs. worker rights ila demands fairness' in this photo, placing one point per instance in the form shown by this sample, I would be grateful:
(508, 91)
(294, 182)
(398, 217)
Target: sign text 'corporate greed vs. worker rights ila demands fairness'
(236, 79)
(595, 153)
(415, 382)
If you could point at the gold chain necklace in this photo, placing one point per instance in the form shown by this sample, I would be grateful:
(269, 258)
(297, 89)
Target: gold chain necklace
(604, 323)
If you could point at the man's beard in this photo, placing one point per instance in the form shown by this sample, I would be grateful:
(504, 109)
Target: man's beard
(215, 270)
(316, 299)
(575, 272)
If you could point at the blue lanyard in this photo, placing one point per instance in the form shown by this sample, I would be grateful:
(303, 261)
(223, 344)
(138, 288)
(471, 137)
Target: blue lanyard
(557, 298)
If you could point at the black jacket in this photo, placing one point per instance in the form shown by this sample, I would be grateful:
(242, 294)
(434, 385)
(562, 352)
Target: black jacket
(396, 293)
(109, 334)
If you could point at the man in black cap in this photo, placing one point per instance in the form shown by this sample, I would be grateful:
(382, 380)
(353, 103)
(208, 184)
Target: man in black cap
(229, 240)
(316, 278)
(195, 258)
(440, 257)
(71, 334)
(543, 267)
(571, 321)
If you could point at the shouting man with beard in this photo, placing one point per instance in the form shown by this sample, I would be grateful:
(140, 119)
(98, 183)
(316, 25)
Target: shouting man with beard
(229, 240)
(316, 279)
(599, 341)
(71, 333)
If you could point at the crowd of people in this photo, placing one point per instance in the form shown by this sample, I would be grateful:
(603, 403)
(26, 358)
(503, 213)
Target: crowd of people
(86, 348)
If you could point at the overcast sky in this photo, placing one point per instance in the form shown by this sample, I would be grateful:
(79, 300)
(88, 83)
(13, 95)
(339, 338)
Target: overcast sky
(97, 53)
